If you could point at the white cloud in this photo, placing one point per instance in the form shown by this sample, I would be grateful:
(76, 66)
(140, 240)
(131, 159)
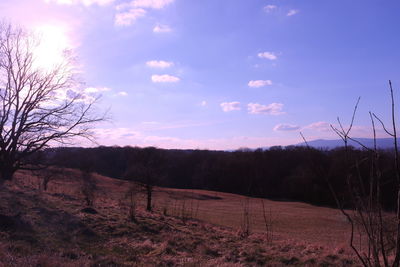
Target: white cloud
(96, 89)
(162, 28)
(271, 109)
(129, 12)
(267, 55)
(269, 8)
(259, 83)
(129, 17)
(69, 94)
(203, 103)
(98, 2)
(116, 133)
(155, 4)
(60, 95)
(122, 93)
(84, 2)
(156, 126)
(159, 64)
(292, 12)
(230, 106)
(165, 78)
(286, 127)
(61, 2)
(322, 129)
(320, 126)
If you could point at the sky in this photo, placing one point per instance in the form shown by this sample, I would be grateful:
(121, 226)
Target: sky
(224, 74)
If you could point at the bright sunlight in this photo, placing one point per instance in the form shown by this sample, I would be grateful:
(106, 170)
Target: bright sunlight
(54, 41)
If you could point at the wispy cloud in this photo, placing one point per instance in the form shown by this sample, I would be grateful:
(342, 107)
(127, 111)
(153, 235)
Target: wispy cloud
(84, 2)
(159, 64)
(269, 8)
(230, 106)
(322, 129)
(259, 83)
(165, 78)
(122, 93)
(154, 4)
(127, 136)
(283, 127)
(96, 89)
(129, 12)
(320, 126)
(156, 126)
(160, 28)
(292, 12)
(271, 109)
(203, 103)
(79, 95)
(129, 17)
(267, 55)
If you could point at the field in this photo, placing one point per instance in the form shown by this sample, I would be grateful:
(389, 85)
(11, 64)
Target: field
(186, 228)
(295, 221)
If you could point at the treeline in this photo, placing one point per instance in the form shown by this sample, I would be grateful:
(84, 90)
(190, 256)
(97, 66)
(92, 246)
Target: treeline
(284, 173)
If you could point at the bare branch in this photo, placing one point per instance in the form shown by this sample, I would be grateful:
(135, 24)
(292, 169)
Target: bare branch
(38, 106)
(383, 125)
(304, 139)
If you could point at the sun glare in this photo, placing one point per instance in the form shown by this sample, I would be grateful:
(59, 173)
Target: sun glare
(54, 41)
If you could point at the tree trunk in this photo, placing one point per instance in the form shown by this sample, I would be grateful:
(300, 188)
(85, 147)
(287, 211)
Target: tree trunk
(149, 190)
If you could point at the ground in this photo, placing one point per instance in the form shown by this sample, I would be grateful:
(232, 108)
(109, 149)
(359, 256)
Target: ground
(186, 228)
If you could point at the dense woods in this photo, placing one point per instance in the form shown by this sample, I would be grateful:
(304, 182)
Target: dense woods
(284, 173)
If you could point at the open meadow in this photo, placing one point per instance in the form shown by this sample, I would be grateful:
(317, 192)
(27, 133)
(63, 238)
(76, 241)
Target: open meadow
(186, 228)
(295, 221)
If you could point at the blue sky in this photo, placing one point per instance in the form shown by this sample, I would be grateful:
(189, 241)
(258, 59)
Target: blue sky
(224, 74)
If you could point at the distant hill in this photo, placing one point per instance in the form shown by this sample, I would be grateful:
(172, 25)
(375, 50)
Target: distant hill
(383, 143)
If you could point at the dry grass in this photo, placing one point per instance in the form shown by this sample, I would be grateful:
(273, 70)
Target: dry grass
(50, 229)
(295, 221)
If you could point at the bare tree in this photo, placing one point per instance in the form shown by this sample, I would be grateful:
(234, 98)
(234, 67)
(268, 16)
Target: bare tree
(245, 227)
(268, 222)
(38, 106)
(88, 181)
(46, 175)
(131, 194)
(378, 231)
(147, 171)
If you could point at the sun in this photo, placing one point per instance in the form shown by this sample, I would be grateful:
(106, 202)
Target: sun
(53, 42)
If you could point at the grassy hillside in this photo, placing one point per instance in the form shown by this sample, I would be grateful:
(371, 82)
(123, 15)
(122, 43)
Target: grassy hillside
(295, 221)
(187, 228)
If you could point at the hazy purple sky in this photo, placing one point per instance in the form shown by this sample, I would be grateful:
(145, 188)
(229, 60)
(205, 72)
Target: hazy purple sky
(224, 74)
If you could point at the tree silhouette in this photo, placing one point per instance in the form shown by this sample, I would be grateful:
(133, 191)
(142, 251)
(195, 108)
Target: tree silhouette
(38, 106)
(146, 169)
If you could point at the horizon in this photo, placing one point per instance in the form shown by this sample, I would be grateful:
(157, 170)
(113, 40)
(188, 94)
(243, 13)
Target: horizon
(382, 143)
(223, 75)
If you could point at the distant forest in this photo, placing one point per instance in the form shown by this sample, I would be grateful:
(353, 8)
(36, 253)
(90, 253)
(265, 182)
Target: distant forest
(282, 173)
